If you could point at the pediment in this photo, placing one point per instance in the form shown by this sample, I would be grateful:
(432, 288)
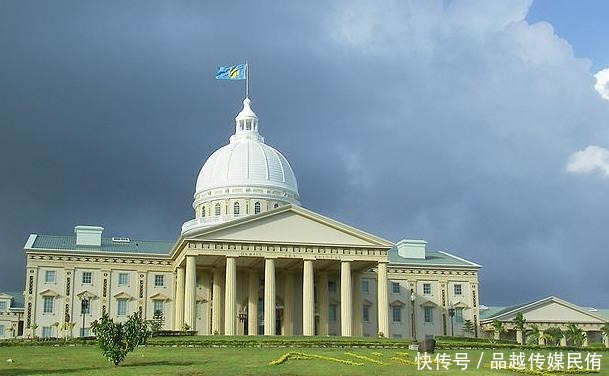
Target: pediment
(159, 296)
(460, 304)
(428, 303)
(553, 309)
(397, 303)
(367, 302)
(5, 296)
(123, 295)
(86, 295)
(291, 225)
(49, 292)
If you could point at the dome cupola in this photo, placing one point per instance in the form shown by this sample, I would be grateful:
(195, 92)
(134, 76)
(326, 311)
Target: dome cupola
(242, 178)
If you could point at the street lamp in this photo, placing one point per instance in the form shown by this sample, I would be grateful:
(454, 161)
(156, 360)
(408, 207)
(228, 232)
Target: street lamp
(412, 299)
(242, 316)
(84, 309)
(451, 313)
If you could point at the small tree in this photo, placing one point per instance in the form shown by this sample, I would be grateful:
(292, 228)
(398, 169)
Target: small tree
(56, 326)
(34, 326)
(156, 324)
(519, 323)
(553, 336)
(605, 331)
(575, 335)
(116, 340)
(498, 328)
(468, 327)
(532, 335)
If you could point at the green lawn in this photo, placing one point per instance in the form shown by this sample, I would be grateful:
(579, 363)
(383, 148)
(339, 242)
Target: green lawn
(87, 360)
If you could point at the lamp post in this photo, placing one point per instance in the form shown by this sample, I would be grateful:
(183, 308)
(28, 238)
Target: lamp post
(242, 316)
(84, 308)
(412, 299)
(451, 313)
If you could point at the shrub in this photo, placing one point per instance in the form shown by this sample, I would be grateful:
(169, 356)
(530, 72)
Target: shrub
(116, 340)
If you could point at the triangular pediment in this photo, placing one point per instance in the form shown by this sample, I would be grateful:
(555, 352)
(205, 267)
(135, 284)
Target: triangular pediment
(123, 295)
(49, 292)
(86, 295)
(159, 296)
(291, 225)
(553, 309)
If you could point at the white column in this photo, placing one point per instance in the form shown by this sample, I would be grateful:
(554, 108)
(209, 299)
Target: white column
(519, 336)
(322, 297)
(358, 329)
(230, 297)
(190, 293)
(252, 304)
(540, 340)
(179, 301)
(269, 297)
(606, 340)
(346, 304)
(383, 303)
(308, 302)
(217, 302)
(288, 304)
(585, 343)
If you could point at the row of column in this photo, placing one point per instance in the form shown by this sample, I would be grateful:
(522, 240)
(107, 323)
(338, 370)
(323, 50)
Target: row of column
(350, 294)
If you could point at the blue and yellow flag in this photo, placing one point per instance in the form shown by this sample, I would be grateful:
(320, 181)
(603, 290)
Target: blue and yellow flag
(234, 72)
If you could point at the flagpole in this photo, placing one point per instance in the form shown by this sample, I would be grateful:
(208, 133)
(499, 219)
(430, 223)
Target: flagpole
(247, 79)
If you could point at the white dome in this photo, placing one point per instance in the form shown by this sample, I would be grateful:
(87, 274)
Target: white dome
(246, 162)
(245, 177)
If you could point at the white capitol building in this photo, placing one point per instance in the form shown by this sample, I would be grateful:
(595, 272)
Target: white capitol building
(252, 261)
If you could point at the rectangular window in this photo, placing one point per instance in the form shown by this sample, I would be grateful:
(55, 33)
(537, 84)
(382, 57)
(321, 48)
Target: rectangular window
(123, 279)
(332, 312)
(49, 276)
(47, 306)
(459, 315)
(458, 290)
(47, 332)
(428, 314)
(87, 277)
(1, 331)
(395, 287)
(85, 307)
(427, 288)
(397, 314)
(366, 313)
(2, 306)
(159, 280)
(365, 287)
(84, 332)
(331, 286)
(158, 307)
(121, 307)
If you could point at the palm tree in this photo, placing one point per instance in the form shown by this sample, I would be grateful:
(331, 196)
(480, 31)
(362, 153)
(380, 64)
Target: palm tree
(553, 335)
(605, 331)
(498, 328)
(519, 323)
(532, 335)
(575, 335)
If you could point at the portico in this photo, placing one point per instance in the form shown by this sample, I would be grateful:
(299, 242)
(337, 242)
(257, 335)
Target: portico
(289, 279)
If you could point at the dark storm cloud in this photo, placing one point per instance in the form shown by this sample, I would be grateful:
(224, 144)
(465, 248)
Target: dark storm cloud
(419, 119)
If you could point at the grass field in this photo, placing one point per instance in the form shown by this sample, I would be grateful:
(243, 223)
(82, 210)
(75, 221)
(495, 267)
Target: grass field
(87, 360)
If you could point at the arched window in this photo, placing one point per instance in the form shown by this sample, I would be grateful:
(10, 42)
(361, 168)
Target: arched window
(217, 210)
(236, 208)
(256, 208)
(275, 206)
(202, 211)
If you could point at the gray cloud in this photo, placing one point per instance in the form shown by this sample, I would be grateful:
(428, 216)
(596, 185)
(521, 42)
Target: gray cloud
(448, 121)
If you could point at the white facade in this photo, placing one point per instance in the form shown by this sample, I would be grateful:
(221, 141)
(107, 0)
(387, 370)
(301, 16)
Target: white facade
(252, 261)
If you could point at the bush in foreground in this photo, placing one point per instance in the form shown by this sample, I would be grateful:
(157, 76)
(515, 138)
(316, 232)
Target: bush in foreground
(116, 340)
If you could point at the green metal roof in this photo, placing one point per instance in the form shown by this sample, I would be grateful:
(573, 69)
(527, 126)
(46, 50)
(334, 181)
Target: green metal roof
(603, 312)
(431, 258)
(494, 311)
(68, 243)
(18, 299)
